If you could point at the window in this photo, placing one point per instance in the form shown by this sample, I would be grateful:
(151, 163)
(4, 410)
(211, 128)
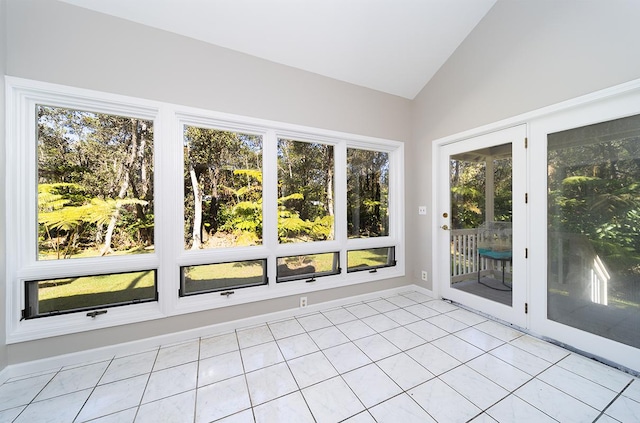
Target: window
(367, 193)
(305, 191)
(222, 276)
(95, 184)
(370, 259)
(72, 294)
(223, 188)
(125, 210)
(308, 266)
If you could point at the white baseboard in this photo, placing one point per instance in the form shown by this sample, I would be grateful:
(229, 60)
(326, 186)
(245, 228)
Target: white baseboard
(52, 364)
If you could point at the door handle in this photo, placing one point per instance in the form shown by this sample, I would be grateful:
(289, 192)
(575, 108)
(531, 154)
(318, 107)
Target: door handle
(445, 227)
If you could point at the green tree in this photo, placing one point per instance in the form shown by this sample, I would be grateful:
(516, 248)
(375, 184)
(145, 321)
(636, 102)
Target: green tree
(103, 157)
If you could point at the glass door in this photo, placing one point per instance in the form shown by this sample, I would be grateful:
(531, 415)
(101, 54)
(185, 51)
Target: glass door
(481, 215)
(587, 170)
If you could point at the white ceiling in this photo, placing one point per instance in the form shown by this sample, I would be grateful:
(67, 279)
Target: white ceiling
(394, 46)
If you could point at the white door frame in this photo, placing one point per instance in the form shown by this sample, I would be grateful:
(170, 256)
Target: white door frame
(516, 136)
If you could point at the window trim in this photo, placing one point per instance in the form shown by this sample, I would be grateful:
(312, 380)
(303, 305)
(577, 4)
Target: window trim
(169, 254)
(22, 98)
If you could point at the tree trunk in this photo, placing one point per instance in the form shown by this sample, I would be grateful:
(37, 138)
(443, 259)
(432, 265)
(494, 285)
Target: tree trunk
(196, 235)
(329, 172)
(126, 171)
(146, 234)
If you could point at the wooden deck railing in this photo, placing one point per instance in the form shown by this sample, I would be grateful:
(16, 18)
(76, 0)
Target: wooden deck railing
(464, 255)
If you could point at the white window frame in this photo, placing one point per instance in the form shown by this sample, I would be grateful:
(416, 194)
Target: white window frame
(169, 254)
(21, 195)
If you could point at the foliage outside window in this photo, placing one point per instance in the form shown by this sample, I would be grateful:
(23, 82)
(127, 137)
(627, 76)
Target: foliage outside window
(95, 184)
(223, 188)
(367, 193)
(305, 191)
(308, 266)
(593, 181)
(222, 276)
(65, 295)
(468, 182)
(103, 179)
(370, 259)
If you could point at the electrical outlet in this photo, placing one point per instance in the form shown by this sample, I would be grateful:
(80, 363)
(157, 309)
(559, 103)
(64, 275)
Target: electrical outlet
(303, 302)
(422, 210)
(424, 275)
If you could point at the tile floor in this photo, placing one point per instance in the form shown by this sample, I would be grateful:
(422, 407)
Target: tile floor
(403, 358)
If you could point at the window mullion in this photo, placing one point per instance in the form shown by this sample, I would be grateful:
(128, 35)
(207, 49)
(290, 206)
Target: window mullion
(341, 201)
(270, 201)
(169, 204)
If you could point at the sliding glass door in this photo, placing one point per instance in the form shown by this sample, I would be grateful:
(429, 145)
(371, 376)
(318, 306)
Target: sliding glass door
(585, 228)
(593, 180)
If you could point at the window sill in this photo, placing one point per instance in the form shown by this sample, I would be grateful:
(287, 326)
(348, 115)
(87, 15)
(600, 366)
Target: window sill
(50, 326)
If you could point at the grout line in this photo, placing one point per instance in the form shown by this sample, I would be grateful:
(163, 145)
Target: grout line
(613, 400)
(349, 340)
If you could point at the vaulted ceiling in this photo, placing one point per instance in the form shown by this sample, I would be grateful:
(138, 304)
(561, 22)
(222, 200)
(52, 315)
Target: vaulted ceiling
(394, 46)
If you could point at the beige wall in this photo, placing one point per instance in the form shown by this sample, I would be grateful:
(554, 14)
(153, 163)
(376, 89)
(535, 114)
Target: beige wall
(3, 348)
(56, 42)
(522, 56)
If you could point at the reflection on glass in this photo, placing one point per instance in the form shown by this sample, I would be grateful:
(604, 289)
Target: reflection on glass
(221, 276)
(95, 184)
(308, 266)
(367, 193)
(481, 213)
(222, 188)
(64, 295)
(305, 191)
(593, 223)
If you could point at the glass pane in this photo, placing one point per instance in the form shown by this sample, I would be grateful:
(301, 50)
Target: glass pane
(481, 233)
(367, 193)
(593, 234)
(62, 295)
(305, 191)
(308, 266)
(95, 184)
(370, 258)
(222, 188)
(221, 276)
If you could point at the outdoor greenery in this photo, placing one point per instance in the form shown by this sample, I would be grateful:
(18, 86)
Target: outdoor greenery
(95, 195)
(371, 257)
(211, 277)
(468, 192)
(64, 294)
(367, 193)
(305, 191)
(594, 192)
(95, 184)
(223, 188)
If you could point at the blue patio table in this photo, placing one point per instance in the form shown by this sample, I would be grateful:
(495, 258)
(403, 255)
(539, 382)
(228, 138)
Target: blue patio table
(503, 256)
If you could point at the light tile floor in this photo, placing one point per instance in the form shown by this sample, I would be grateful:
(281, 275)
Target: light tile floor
(404, 358)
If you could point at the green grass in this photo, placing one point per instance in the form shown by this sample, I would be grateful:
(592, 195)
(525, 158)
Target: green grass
(367, 258)
(211, 277)
(94, 291)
